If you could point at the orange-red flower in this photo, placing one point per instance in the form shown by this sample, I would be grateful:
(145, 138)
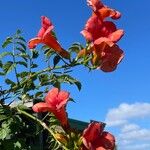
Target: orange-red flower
(107, 56)
(55, 102)
(95, 29)
(46, 37)
(94, 138)
(102, 10)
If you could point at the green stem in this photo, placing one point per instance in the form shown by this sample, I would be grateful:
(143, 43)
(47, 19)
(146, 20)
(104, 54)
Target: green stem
(42, 124)
(14, 60)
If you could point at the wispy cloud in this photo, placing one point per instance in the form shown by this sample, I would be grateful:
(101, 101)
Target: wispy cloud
(132, 136)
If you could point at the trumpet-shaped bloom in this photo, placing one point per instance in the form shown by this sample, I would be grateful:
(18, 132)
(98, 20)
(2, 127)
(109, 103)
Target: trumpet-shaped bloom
(107, 55)
(46, 37)
(94, 138)
(95, 28)
(55, 102)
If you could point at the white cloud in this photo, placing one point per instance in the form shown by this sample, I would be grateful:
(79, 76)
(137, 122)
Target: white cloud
(132, 136)
(136, 147)
(119, 116)
(138, 135)
(129, 127)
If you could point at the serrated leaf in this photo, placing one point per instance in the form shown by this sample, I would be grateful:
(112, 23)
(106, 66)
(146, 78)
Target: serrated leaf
(56, 60)
(9, 66)
(22, 63)
(7, 42)
(21, 38)
(24, 56)
(5, 54)
(22, 45)
(21, 49)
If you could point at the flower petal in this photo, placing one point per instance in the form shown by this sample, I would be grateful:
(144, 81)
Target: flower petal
(105, 142)
(116, 36)
(113, 56)
(46, 23)
(50, 40)
(51, 95)
(33, 42)
(42, 107)
(63, 97)
(95, 4)
(61, 115)
(92, 132)
(92, 30)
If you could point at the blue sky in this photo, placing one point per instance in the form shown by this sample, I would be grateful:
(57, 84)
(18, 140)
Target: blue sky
(129, 84)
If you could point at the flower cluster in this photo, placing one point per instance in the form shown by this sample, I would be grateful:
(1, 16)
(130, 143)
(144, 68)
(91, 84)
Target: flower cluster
(93, 137)
(103, 36)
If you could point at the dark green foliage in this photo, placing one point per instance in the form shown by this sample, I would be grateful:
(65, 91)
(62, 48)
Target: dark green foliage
(25, 82)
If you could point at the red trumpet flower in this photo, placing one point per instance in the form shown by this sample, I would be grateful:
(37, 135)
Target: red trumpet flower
(96, 29)
(46, 37)
(94, 138)
(55, 102)
(107, 56)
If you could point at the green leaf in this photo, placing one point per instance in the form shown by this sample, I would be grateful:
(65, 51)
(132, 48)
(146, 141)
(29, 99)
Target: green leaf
(17, 145)
(4, 130)
(21, 49)
(18, 31)
(78, 84)
(7, 42)
(56, 60)
(3, 117)
(2, 73)
(22, 45)
(76, 47)
(22, 74)
(9, 66)
(71, 80)
(24, 56)
(21, 38)
(34, 66)
(5, 54)
(10, 82)
(38, 94)
(44, 79)
(1, 64)
(48, 52)
(71, 99)
(22, 63)
(35, 54)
